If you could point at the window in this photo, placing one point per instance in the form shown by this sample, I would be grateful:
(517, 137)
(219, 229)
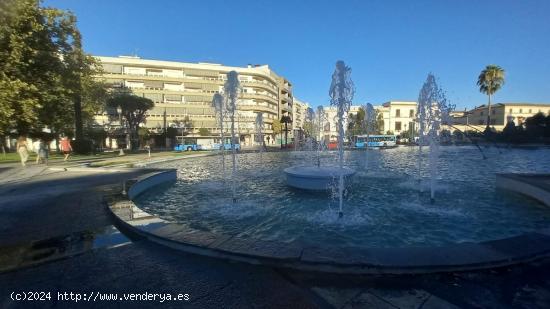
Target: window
(411, 113)
(397, 113)
(481, 113)
(511, 110)
(398, 126)
(493, 121)
(480, 122)
(521, 110)
(492, 112)
(530, 111)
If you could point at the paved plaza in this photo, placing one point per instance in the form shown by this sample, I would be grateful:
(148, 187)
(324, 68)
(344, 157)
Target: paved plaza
(57, 236)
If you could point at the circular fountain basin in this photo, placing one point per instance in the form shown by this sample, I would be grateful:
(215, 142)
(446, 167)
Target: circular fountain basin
(382, 208)
(316, 177)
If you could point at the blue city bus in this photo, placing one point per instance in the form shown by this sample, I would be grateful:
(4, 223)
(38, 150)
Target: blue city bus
(186, 144)
(227, 144)
(375, 141)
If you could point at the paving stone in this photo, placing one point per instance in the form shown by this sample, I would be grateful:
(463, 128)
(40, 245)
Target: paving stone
(435, 302)
(368, 300)
(404, 299)
(338, 298)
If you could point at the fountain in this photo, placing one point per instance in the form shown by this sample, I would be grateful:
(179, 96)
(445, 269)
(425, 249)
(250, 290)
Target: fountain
(368, 121)
(232, 88)
(383, 210)
(319, 177)
(218, 104)
(259, 128)
(433, 110)
(320, 118)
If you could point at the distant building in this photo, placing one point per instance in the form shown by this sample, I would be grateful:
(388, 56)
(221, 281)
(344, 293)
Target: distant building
(299, 113)
(501, 113)
(181, 89)
(398, 117)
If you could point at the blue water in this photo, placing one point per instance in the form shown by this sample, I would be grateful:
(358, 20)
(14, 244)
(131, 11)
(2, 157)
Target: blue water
(383, 206)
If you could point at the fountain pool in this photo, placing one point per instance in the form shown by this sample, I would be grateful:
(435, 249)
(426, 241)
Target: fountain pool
(382, 206)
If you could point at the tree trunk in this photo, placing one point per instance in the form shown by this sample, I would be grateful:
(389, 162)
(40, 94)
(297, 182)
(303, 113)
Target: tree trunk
(79, 135)
(489, 112)
(286, 135)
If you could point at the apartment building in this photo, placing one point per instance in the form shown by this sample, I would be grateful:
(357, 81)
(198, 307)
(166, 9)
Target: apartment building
(501, 113)
(183, 90)
(300, 111)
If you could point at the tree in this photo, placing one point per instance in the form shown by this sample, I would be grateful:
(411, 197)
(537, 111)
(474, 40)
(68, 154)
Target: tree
(144, 135)
(277, 127)
(535, 126)
(41, 65)
(133, 109)
(356, 123)
(185, 124)
(286, 120)
(309, 128)
(204, 132)
(490, 80)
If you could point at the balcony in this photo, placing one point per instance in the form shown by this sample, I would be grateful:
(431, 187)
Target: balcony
(287, 108)
(260, 97)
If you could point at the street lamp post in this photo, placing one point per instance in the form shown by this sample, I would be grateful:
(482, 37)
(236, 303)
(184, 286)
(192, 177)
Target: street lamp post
(119, 112)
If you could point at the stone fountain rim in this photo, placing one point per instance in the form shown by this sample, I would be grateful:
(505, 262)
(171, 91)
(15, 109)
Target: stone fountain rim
(328, 171)
(400, 260)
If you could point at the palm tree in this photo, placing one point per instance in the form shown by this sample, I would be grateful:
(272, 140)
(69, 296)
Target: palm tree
(286, 120)
(490, 80)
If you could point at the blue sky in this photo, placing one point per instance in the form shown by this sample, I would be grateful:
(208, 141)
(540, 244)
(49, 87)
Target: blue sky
(390, 45)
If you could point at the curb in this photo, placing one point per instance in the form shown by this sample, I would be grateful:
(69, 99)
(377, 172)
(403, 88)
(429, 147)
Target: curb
(341, 260)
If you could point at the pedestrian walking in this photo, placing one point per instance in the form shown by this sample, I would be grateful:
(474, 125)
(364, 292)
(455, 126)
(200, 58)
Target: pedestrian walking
(43, 153)
(22, 149)
(66, 148)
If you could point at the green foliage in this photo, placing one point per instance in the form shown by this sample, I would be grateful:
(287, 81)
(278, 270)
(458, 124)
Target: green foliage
(184, 125)
(82, 146)
(309, 128)
(171, 132)
(277, 126)
(356, 124)
(144, 135)
(44, 72)
(204, 132)
(133, 109)
(286, 120)
(491, 79)
(537, 130)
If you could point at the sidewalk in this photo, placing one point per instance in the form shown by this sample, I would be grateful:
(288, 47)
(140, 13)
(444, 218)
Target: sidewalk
(14, 172)
(61, 212)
